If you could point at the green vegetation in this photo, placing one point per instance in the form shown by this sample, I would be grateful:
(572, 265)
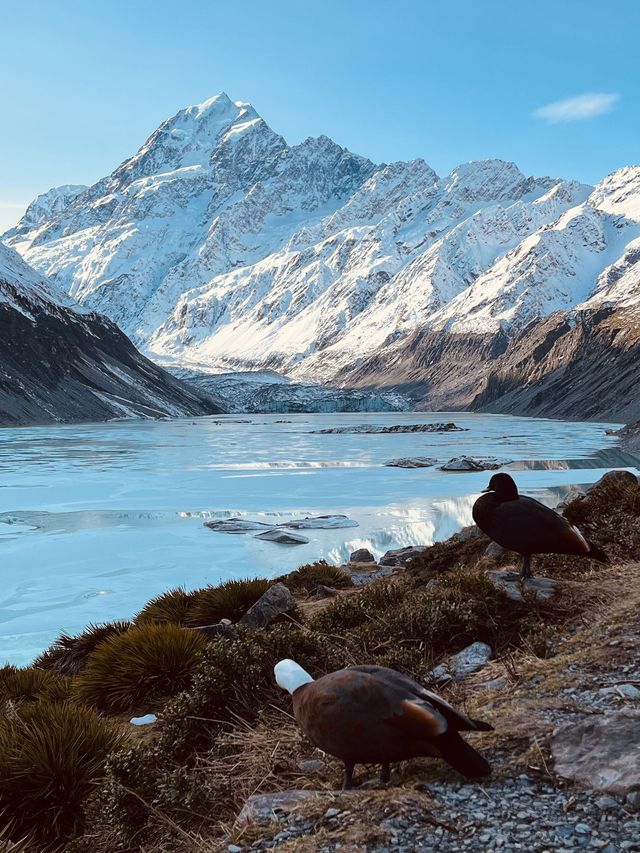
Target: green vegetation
(229, 600)
(308, 577)
(133, 670)
(50, 756)
(69, 655)
(30, 685)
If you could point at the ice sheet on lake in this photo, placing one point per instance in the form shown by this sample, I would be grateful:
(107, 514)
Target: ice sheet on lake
(96, 519)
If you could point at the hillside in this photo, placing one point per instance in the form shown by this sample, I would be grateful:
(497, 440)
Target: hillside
(60, 362)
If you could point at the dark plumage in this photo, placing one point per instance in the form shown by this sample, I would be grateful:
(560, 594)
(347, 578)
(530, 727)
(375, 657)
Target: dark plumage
(526, 526)
(374, 715)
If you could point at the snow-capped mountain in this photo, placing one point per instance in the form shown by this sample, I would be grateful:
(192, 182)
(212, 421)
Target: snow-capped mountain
(218, 245)
(60, 362)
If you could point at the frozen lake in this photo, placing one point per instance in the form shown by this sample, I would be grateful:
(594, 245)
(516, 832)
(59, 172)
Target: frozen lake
(96, 519)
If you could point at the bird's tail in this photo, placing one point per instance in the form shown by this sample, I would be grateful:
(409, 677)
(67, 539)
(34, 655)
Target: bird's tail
(462, 757)
(596, 553)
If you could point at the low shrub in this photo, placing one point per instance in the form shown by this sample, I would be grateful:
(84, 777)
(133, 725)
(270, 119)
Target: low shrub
(455, 552)
(50, 755)
(135, 669)
(235, 679)
(172, 607)
(69, 654)
(308, 577)
(228, 600)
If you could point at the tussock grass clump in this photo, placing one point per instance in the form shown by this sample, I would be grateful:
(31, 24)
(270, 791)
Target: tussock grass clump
(308, 577)
(69, 654)
(456, 552)
(134, 669)
(30, 685)
(172, 607)
(229, 600)
(50, 755)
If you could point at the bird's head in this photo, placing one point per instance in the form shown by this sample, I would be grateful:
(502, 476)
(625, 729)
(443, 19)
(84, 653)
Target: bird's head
(290, 675)
(503, 486)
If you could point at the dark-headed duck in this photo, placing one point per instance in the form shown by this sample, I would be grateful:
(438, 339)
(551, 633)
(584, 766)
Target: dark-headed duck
(526, 526)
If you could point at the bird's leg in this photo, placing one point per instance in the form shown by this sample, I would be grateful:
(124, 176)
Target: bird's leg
(385, 773)
(347, 783)
(525, 571)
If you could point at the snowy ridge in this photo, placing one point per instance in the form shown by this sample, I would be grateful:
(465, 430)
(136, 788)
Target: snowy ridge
(217, 243)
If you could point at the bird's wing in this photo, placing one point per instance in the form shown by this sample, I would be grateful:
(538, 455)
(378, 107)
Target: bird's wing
(417, 693)
(418, 719)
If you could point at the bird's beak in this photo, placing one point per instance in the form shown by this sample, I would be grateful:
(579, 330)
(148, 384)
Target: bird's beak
(486, 490)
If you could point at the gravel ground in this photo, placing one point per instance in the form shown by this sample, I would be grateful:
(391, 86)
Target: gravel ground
(522, 814)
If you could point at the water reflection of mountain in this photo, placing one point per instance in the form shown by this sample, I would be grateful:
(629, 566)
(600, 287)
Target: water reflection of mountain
(610, 457)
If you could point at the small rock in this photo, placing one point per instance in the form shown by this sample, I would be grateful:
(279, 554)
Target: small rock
(223, 628)
(632, 801)
(411, 462)
(282, 537)
(362, 555)
(628, 691)
(233, 848)
(276, 601)
(332, 812)
(322, 591)
(261, 808)
(606, 804)
(493, 551)
(511, 583)
(583, 828)
(312, 765)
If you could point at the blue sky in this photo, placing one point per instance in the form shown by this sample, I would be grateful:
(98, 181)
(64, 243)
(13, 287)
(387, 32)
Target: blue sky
(83, 84)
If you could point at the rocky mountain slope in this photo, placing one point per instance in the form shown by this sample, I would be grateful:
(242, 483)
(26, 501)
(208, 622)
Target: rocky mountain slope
(218, 244)
(60, 362)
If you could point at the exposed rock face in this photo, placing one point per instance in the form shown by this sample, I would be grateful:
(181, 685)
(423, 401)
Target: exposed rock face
(600, 752)
(59, 363)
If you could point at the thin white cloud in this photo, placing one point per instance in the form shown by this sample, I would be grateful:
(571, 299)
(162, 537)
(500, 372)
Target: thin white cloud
(588, 105)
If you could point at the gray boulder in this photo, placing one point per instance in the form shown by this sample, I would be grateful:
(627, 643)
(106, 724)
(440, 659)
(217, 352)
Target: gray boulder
(459, 666)
(362, 555)
(276, 601)
(601, 752)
